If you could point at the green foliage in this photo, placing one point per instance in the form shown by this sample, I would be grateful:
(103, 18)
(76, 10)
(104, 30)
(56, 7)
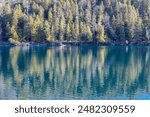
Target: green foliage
(101, 33)
(14, 35)
(76, 20)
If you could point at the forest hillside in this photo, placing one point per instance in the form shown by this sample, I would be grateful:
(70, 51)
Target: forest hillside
(75, 20)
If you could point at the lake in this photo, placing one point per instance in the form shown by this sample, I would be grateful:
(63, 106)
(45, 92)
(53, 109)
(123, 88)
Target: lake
(82, 73)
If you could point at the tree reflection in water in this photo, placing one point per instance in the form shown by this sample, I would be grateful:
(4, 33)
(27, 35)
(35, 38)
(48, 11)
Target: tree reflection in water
(114, 72)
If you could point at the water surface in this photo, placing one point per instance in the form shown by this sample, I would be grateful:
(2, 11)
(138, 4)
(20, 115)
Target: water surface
(113, 72)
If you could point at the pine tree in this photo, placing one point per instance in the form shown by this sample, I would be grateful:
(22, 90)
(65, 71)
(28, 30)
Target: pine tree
(68, 32)
(101, 13)
(101, 33)
(139, 29)
(50, 16)
(62, 28)
(33, 28)
(76, 34)
(47, 3)
(41, 13)
(14, 35)
(56, 29)
(88, 13)
(8, 9)
(16, 15)
(89, 33)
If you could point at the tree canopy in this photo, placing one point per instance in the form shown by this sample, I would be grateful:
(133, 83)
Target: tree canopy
(76, 20)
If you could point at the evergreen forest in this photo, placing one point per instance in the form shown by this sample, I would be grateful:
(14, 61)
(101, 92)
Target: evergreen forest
(75, 21)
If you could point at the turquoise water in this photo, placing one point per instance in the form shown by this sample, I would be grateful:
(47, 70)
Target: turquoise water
(111, 72)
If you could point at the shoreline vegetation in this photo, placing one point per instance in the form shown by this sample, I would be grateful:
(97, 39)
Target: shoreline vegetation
(23, 44)
(75, 22)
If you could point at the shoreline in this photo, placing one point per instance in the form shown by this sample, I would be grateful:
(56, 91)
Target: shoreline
(73, 43)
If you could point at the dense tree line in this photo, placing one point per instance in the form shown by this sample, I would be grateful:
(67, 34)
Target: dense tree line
(76, 20)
